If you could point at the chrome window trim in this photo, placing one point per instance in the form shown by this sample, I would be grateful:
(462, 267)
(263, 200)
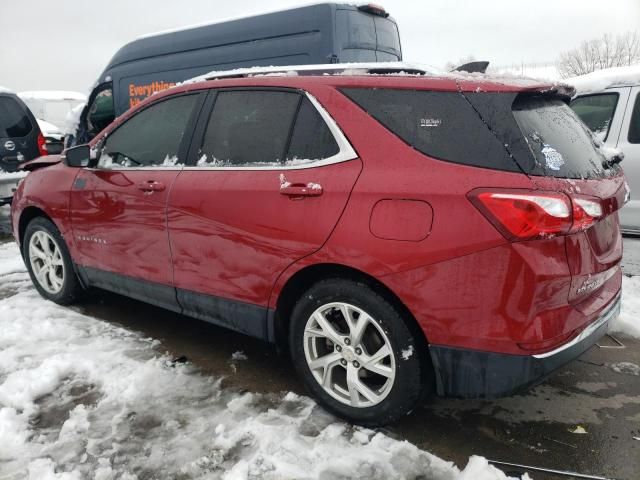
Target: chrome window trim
(345, 152)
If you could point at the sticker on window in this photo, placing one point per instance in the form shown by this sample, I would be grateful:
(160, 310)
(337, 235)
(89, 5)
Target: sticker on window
(430, 122)
(552, 157)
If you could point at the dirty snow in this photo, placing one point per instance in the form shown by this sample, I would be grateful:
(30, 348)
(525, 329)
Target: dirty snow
(407, 353)
(626, 368)
(238, 356)
(82, 398)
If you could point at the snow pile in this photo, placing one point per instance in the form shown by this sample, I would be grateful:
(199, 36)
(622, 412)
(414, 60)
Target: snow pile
(81, 398)
(607, 78)
(72, 119)
(53, 95)
(628, 323)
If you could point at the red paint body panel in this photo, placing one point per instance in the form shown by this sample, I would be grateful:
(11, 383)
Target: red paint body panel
(120, 228)
(232, 234)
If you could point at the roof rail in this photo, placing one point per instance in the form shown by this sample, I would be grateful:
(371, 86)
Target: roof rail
(381, 68)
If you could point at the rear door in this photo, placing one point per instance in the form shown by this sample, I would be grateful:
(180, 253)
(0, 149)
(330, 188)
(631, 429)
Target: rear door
(18, 133)
(272, 176)
(118, 209)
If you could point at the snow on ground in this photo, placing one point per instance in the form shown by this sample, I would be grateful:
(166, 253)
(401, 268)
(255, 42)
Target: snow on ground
(628, 323)
(82, 398)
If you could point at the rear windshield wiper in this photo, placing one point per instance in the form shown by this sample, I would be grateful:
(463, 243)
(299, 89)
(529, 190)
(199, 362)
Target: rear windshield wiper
(611, 160)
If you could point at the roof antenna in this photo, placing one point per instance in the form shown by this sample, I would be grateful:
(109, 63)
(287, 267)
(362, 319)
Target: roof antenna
(473, 67)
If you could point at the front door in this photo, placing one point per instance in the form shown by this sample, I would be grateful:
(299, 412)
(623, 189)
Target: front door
(271, 181)
(118, 209)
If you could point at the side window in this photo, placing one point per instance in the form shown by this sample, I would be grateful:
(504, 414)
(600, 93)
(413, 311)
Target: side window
(634, 126)
(151, 137)
(311, 138)
(596, 111)
(101, 113)
(248, 128)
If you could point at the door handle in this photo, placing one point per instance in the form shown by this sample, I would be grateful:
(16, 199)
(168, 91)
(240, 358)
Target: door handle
(151, 186)
(301, 190)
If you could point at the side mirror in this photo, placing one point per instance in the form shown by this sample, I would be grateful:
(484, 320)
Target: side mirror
(77, 157)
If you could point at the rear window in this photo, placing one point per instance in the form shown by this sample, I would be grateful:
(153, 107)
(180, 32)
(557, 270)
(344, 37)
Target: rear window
(442, 125)
(14, 122)
(560, 143)
(596, 111)
(387, 37)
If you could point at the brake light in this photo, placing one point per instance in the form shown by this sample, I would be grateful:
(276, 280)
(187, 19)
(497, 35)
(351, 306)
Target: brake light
(521, 216)
(525, 215)
(42, 145)
(373, 9)
(585, 213)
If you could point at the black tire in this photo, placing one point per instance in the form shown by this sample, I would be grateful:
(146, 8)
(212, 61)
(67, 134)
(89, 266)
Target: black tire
(407, 386)
(71, 289)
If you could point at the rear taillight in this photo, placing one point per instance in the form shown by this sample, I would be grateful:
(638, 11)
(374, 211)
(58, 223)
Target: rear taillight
(525, 215)
(586, 212)
(42, 145)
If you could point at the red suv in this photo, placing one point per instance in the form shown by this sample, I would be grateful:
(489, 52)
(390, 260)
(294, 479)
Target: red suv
(397, 234)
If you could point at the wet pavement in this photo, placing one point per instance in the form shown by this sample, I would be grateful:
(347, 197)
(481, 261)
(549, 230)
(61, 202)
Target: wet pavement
(533, 428)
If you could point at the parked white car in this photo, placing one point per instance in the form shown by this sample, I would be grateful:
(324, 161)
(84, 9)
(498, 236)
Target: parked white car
(608, 101)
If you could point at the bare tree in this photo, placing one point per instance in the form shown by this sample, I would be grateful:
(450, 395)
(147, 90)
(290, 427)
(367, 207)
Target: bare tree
(604, 52)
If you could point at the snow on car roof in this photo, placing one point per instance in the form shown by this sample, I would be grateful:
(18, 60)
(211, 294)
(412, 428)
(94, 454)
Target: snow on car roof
(5, 90)
(53, 95)
(607, 78)
(379, 68)
(394, 68)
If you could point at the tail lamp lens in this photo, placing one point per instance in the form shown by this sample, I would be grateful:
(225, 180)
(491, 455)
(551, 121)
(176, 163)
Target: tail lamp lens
(42, 145)
(585, 213)
(530, 215)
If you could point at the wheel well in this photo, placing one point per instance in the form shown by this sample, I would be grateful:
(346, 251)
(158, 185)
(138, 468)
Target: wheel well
(301, 281)
(27, 215)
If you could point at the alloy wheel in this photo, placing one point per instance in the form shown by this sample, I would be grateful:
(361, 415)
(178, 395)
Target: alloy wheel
(349, 354)
(46, 262)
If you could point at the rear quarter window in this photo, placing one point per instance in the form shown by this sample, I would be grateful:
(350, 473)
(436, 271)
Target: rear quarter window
(14, 121)
(442, 125)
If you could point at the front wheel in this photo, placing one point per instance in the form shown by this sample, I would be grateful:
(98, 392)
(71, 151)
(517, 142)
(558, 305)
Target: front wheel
(355, 352)
(49, 263)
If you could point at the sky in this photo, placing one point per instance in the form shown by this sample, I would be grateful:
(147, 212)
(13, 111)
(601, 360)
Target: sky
(64, 45)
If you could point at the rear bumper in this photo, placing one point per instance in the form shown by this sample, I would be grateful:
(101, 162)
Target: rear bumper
(471, 373)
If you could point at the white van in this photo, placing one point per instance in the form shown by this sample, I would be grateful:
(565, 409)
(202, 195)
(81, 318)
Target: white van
(608, 101)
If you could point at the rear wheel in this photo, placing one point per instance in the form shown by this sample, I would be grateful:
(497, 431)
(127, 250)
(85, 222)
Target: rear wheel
(355, 352)
(49, 263)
